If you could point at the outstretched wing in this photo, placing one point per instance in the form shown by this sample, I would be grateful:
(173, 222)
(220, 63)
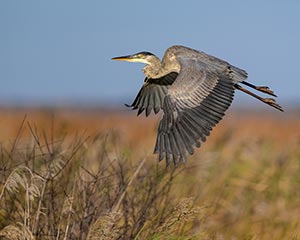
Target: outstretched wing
(152, 94)
(194, 104)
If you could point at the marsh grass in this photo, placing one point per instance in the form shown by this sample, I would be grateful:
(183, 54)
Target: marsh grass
(243, 184)
(83, 189)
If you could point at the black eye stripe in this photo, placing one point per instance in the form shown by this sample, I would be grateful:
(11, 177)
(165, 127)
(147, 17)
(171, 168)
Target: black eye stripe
(143, 54)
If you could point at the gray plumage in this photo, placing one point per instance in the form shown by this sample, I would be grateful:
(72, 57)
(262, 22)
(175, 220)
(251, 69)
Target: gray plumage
(194, 90)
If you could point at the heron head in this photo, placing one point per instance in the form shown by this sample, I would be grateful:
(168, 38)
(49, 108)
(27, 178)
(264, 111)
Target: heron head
(142, 57)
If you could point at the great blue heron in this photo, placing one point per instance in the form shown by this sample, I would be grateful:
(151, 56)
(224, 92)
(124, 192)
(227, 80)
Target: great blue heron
(194, 90)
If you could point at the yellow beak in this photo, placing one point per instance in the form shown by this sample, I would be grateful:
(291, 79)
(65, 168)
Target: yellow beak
(131, 58)
(124, 58)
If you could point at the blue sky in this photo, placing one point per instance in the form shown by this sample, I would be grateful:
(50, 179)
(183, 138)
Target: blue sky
(60, 51)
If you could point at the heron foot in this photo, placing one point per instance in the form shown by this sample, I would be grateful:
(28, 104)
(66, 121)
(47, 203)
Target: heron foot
(265, 89)
(272, 102)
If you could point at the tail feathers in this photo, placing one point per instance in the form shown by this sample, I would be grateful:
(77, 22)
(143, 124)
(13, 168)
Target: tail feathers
(238, 74)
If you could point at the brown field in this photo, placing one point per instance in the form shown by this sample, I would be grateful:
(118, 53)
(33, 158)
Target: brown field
(243, 183)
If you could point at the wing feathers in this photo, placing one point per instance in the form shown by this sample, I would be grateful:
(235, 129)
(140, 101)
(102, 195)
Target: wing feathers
(152, 94)
(185, 123)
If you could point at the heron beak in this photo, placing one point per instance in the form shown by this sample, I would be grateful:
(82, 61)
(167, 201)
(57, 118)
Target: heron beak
(128, 58)
(131, 58)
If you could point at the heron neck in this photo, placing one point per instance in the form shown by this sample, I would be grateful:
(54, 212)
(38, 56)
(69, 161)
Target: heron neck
(155, 69)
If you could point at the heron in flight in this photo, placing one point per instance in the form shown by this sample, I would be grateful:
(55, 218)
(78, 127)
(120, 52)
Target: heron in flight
(194, 90)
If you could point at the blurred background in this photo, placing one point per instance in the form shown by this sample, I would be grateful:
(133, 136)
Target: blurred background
(62, 115)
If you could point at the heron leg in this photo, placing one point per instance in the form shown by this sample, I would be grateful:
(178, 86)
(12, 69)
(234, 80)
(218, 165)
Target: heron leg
(263, 89)
(269, 101)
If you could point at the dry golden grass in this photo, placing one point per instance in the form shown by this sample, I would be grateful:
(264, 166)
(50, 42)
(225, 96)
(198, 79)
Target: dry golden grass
(242, 184)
